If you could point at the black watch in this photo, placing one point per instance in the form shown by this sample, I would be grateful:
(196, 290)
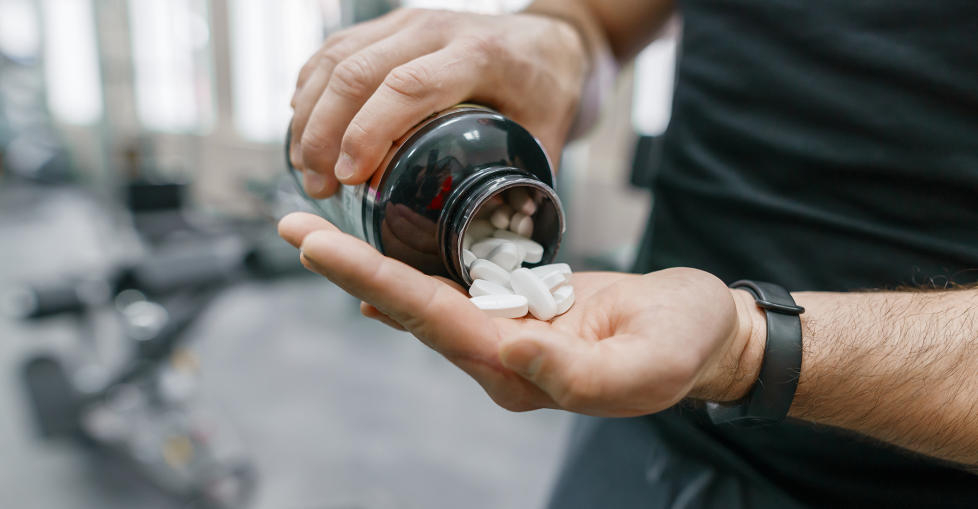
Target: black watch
(769, 399)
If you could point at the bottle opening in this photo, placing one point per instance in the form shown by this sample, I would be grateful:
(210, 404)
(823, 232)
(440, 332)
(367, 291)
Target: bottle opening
(488, 196)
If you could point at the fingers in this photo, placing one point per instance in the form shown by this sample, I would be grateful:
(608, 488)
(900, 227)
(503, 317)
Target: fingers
(351, 83)
(313, 80)
(315, 183)
(437, 314)
(370, 311)
(457, 287)
(435, 310)
(408, 94)
(294, 227)
(315, 75)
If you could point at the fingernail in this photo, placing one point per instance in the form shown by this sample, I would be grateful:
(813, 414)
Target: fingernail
(524, 357)
(344, 166)
(313, 182)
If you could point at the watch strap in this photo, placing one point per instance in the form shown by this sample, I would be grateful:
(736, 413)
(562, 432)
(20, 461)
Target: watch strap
(770, 397)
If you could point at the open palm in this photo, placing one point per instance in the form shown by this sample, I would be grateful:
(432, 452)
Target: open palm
(631, 344)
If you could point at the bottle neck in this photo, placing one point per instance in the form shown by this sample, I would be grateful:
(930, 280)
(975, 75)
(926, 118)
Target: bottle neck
(465, 207)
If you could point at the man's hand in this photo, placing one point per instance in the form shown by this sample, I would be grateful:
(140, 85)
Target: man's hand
(630, 345)
(369, 84)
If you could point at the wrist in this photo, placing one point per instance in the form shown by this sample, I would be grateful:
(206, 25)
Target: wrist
(753, 324)
(736, 370)
(599, 63)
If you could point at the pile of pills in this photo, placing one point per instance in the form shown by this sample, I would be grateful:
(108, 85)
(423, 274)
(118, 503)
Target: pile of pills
(494, 250)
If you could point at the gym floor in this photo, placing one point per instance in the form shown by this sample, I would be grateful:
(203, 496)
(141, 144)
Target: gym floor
(336, 411)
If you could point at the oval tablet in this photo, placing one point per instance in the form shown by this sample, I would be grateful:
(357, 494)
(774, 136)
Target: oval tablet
(484, 269)
(552, 278)
(521, 201)
(485, 287)
(532, 250)
(507, 255)
(521, 224)
(502, 306)
(500, 216)
(527, 284)
(563, 268)
(482, 248)
(564, 297)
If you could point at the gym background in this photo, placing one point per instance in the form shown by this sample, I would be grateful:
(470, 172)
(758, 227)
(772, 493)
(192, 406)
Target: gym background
(160, 347)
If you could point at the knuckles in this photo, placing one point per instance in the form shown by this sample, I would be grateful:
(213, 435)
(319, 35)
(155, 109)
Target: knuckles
(352, 77)
(410, 80)
(437, 20)
(306, 71)
(313, 143)
(489, 45)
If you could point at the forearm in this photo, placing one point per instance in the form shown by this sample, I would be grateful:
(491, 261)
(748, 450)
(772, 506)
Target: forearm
(901, 367)
(625, 27)
(610, 33)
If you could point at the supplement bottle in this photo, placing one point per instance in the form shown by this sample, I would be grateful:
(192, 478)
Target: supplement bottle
(435, 181)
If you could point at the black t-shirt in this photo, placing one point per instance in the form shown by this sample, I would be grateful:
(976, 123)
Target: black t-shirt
(822, 145)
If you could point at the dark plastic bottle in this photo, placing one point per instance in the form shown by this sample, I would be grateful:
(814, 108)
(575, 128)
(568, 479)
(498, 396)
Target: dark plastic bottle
(434, 182)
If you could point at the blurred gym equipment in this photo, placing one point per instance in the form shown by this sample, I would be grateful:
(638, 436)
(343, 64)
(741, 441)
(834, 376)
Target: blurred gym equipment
(143, 411)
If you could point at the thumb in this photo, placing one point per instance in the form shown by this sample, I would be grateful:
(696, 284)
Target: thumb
(556, 363)
(522, 356)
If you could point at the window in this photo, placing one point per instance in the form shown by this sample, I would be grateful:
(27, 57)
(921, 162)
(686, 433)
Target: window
(19, 33)
(655, 69)
(270, 41)
(172, 63)
(71, 65)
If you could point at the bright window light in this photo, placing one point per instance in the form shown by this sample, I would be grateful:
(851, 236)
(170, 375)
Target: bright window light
(171, 56)
(19, 34)
(71, 65)
(655, 70)
(270, 41)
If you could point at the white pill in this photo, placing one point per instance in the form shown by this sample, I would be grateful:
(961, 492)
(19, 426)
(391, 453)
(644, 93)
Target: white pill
(500, 217)
(484, 269)
(552, 279)
(485, 287)
(553, 274)
(521, 224)
(507, 255)
(482, 248)
(521, 201)
(502, 306)
(541, 303)
(468, 257)
(564, 297)
(532, 250)
(563, 268)
(479, 229)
